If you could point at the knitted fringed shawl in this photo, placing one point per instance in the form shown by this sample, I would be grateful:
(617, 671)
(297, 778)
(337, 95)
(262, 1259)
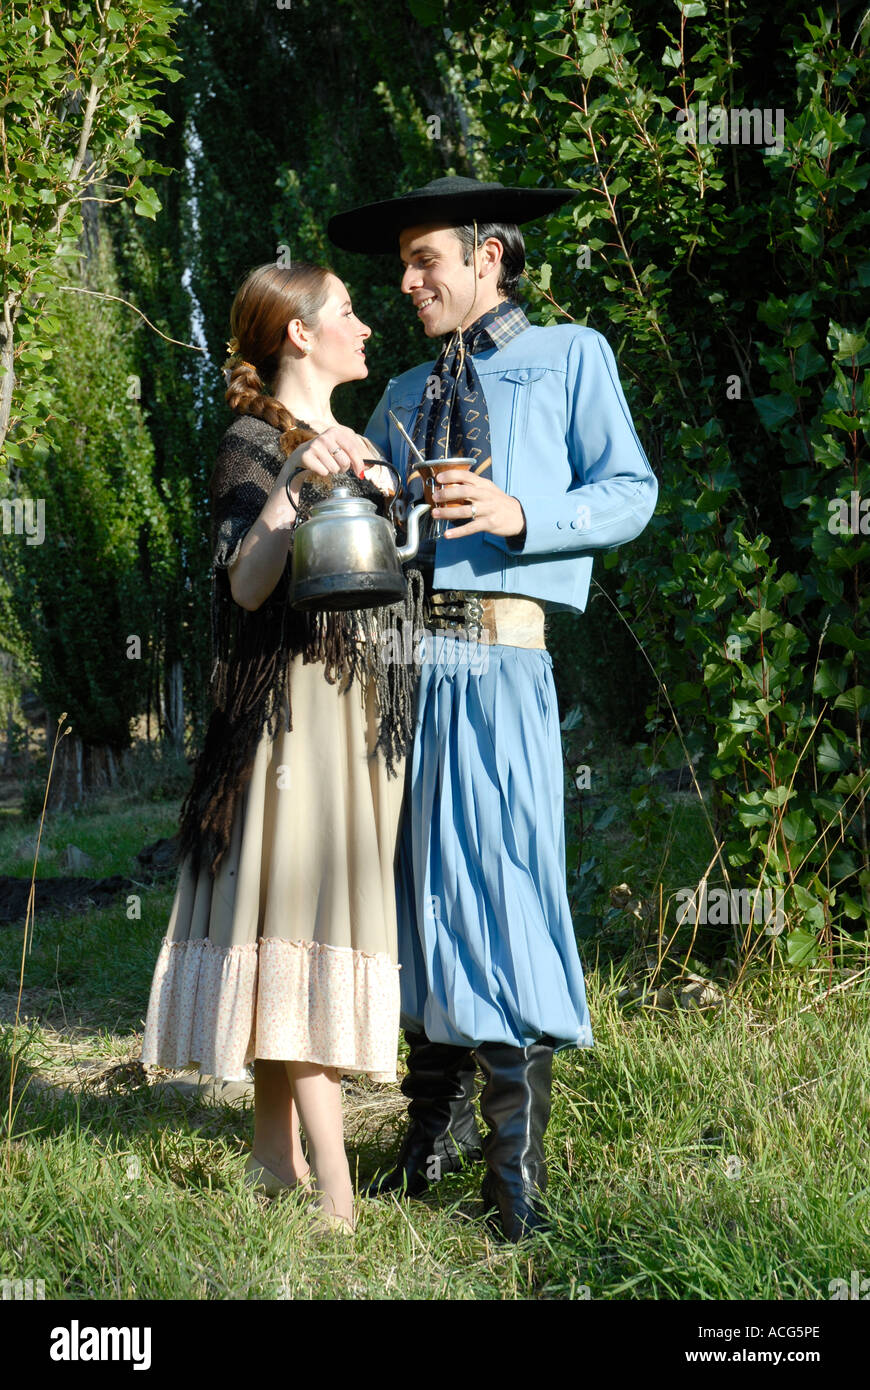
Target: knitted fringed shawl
(252, 650)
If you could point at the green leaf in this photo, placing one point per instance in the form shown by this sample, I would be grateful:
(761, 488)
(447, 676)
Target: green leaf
(841, 421)
(426, 12)
(797, 825)
(828, 755)
(851, 907)
(808, 904)
(776, 796)
(775, 410)
(830, 679)
(761, 620)
(847, 344)
(685, 691)
(845, 637)
(596, 59)
(801, 947)
(856, 700)
(606, 818)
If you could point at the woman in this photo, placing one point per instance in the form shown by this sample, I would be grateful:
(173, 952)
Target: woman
(281, 947)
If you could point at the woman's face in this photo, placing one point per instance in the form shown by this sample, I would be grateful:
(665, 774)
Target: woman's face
(338, 341)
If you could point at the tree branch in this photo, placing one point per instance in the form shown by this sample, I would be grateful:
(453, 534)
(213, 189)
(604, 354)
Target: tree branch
(77, 289)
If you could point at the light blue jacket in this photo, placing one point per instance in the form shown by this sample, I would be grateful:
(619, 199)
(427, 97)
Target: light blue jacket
(563, 443)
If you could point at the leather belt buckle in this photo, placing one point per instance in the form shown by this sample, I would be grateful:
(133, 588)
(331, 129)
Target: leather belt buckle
(448, 604)
(474, 617)
(454, 609)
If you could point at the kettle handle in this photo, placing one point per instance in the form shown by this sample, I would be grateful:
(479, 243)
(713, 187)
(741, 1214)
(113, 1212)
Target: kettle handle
(399, 489)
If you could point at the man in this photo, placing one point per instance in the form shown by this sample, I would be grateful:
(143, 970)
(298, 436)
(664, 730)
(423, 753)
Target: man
(490, 968)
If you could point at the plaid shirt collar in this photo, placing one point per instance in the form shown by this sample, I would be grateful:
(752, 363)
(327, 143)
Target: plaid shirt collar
(509, 323)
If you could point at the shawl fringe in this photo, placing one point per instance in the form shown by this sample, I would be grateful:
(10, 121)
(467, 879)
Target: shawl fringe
(252, 652)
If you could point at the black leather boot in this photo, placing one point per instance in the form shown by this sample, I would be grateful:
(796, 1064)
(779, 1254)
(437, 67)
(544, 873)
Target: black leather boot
(515, 1103)
(443, 1133)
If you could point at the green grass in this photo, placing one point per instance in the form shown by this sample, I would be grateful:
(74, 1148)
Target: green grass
(600, 857)
(715, 1155)
(111, 832)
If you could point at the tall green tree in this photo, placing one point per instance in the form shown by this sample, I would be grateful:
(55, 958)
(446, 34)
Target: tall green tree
(84, 601)
(78, 83)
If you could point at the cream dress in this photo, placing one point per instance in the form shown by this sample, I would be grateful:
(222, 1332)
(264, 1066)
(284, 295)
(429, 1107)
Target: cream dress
(290, 952)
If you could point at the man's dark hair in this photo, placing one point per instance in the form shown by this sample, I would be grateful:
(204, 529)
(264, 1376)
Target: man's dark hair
(513, 260)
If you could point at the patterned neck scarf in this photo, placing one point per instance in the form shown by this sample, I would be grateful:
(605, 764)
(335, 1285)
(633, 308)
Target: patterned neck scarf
(452, 419)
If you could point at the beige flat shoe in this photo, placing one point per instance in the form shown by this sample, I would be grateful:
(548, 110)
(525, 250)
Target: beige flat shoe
(262, 1179)
(327, 1223)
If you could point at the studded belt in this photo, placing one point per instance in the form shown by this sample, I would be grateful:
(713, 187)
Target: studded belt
(502, 618)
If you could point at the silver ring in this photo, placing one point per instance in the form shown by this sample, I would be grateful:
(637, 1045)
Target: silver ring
(473, 511)
(337, 450)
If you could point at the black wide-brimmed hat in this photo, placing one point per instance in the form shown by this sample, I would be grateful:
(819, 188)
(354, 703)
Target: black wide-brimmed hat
(375, 227)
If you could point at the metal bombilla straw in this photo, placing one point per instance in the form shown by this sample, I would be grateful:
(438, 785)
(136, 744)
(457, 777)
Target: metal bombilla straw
(409, 441)
(401, 428)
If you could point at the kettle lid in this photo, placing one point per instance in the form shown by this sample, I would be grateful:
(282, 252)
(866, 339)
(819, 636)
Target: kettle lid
(342, 502)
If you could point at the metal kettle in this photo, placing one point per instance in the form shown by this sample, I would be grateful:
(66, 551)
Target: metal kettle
(345, 555)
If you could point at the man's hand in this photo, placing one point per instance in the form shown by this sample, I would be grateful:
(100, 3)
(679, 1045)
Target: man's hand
(494, 511)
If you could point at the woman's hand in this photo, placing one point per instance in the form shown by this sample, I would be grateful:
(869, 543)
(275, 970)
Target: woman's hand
(383, 476)
(337, 450)
(493, 510)
(380, 477)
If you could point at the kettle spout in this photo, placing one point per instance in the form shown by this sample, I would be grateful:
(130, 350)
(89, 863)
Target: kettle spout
(409, 549)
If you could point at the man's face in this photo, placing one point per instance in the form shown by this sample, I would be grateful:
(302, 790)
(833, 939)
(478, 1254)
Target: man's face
(441, 287)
